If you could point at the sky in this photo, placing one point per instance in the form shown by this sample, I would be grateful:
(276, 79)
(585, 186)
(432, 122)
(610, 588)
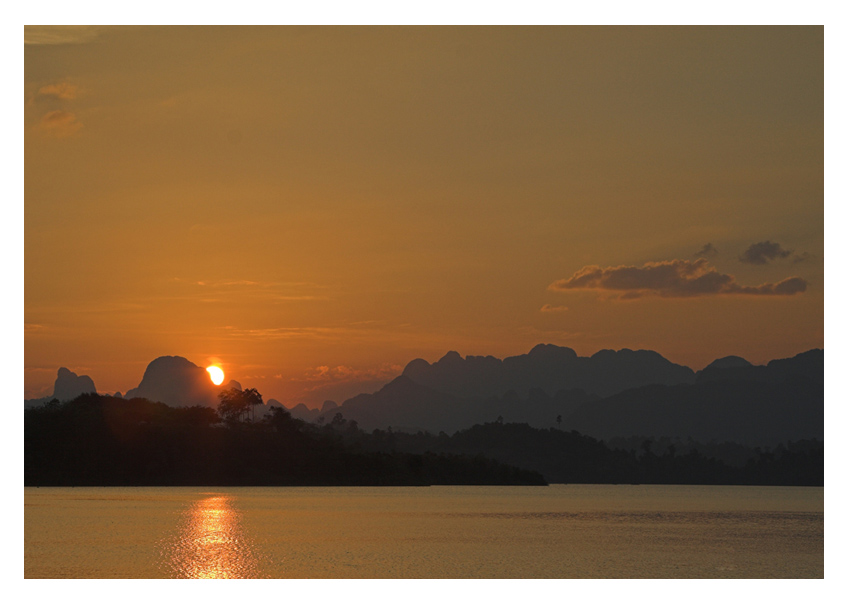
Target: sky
(314, 207)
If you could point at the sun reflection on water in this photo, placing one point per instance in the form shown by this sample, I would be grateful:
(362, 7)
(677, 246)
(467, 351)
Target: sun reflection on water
(211, 544)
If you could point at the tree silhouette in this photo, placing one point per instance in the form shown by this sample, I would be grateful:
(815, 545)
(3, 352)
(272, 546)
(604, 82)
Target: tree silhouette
(106, 441)
(237, 405)
(282, 421)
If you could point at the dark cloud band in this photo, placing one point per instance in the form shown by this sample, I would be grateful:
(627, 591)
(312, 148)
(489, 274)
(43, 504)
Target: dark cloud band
(672, 279)
(763, 252)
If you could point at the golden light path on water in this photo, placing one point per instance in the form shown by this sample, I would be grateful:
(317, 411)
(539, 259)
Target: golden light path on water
(211, 543)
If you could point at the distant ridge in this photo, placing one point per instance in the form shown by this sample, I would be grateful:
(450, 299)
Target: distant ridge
(810, 364)
(68, 386)
(755, 412)
(552, 387)
(550, 368)
(728, 362)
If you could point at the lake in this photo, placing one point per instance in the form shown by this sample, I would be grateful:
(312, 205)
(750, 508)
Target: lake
(560, 531)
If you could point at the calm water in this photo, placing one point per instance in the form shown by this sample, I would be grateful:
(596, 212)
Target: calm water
(561, 531)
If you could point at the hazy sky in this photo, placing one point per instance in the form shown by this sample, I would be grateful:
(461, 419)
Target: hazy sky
(315, 207)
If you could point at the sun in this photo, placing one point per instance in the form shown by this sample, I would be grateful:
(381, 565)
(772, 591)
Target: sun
(215, 374)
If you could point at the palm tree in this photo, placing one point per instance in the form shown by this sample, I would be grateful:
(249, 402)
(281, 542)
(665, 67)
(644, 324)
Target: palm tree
(238, 404)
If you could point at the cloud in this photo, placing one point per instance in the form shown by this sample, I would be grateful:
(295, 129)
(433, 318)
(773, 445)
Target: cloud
(325, 375)
(803, 257)
(273, 291)
(298, 298)
(279, 290)
(60, 123)
(763, 252)
(287, 333)
(240, 282)
(671, 279)
(60, 34)
(707, 251)
(550, 308)
(63, 91)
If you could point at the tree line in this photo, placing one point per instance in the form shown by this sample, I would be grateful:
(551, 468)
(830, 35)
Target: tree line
(103, 440)
(99, 440)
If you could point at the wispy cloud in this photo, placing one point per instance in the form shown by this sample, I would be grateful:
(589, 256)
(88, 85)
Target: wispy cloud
(803, 257)
(60, 123)
(98, 307)
(550, 308)
(707, 251)
(287, 333)
(763, 252)
(345, 373)
(41, 369)
(360, 332)
(63, 91)
(236, 283)
(671, 279)
(298, 298)
(60, 34)
(323, 333)
(272, 291)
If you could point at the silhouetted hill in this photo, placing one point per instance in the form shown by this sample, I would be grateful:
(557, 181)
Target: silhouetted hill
(177, 382)
(231, 385)
(68, 386)
(753, 411)
(731, 399)
(407, 406)
(549, 368)
(810, 364)
(565, 457)
(401, 403)
(272, 403)
(728, 362)
(302, 412)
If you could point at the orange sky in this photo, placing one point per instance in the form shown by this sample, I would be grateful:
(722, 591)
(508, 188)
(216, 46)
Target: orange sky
(315, 207)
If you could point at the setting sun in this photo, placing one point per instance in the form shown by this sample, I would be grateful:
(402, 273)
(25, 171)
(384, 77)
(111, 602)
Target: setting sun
(215, 374)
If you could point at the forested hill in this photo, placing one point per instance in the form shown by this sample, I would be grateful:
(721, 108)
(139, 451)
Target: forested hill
(570, 457)
(106, 441)
(99, 440)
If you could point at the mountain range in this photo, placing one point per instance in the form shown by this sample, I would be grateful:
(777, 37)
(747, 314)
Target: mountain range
(549, 368)
(608, 395)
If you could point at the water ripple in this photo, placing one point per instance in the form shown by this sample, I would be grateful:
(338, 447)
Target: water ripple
(211, 543)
